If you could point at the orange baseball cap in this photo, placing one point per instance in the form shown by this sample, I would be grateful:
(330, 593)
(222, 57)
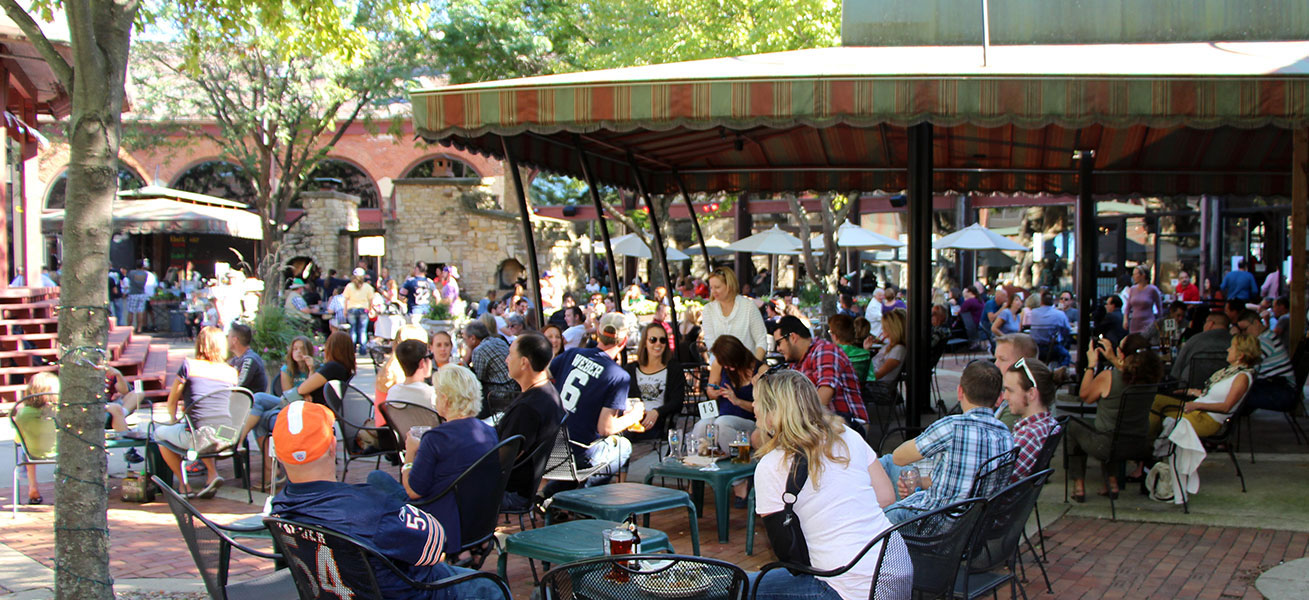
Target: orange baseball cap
(303, 432)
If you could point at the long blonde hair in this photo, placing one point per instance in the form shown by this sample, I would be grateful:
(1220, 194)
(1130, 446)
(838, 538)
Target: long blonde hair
(788, 401)
(893, 326)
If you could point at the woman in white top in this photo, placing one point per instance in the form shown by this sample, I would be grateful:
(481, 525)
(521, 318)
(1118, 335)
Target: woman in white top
(730, 313)
(889, 361)
(839, 506)
(1221, 396)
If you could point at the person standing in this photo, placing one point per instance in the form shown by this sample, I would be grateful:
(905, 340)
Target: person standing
(137, 300)
(1144, 302)
(874, 313)
(1239, 284)
(358, 297)
(418, 291)
(730, 313)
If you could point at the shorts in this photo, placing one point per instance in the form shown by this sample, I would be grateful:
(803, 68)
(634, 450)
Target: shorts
(175, 437)
(136, 303)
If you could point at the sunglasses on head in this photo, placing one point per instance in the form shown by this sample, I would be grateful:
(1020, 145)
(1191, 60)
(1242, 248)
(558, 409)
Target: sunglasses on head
(1022, 362)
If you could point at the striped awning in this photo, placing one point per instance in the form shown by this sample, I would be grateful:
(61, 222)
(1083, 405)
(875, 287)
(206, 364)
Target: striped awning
(1164, 119)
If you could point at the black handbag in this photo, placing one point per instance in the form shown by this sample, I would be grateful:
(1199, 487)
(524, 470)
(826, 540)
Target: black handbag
(783, 526)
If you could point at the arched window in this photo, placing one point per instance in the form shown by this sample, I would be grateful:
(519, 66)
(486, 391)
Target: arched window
(340, 176)
(442, 166)
(217, 178)
(127, 180)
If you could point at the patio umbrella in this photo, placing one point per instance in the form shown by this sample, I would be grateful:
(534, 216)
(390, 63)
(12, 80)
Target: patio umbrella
(976, 237)
(714, 251)
(772, 241)
(631, 245)
(849, 235)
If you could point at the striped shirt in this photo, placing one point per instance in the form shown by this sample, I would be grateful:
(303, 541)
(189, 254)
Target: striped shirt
(1276, 363)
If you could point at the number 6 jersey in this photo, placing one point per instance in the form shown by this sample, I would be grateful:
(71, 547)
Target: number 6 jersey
(588, 380)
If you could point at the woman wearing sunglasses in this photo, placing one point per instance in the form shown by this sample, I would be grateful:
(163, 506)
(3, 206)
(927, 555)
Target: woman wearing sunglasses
(657, 379)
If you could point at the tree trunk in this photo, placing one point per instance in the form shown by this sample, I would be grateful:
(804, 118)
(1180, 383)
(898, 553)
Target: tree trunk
(100, 35)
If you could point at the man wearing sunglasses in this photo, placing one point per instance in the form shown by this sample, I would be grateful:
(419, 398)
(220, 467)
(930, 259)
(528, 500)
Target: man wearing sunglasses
(825, 365)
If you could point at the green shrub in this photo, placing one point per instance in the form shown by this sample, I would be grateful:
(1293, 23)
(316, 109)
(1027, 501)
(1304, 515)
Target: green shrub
(274, 329)
(439, 312)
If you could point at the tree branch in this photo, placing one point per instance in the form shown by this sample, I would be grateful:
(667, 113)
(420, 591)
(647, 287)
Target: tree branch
(62, 70)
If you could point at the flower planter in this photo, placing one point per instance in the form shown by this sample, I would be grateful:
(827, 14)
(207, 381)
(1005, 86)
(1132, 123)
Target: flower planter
(432, 325)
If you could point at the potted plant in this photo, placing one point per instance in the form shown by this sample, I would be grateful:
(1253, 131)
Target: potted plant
(438, 318)
(274, 329)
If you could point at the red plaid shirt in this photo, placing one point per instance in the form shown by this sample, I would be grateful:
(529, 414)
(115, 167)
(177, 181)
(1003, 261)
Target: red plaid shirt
(826, 365)
(1030, 435)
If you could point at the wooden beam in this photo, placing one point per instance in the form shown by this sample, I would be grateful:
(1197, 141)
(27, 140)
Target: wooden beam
(1299, 220)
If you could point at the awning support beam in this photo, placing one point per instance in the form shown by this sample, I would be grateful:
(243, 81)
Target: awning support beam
(920, 272)
(604, 225)
(1087, 252)
(695, 225)
(661, 250)
(1299, 225)
(528, 238)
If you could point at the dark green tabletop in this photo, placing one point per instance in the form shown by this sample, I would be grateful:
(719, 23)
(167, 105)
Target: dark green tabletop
(721, 480)
(614, 501)
(572, 541)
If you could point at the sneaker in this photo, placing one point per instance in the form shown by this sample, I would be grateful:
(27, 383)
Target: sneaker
(133, 457)
(210, 489)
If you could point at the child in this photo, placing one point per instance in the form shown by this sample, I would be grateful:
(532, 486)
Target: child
(34, 416)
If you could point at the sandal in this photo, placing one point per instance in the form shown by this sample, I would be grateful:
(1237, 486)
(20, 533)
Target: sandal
(35, 500)
(1112, 495)
(1079, 498)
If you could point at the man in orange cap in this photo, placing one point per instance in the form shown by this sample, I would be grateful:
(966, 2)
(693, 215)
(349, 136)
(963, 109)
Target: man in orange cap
(411, 538)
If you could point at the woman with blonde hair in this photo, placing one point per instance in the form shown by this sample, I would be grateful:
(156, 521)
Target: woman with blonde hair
(690, 352)
(200, 391)
(390, 373)
(34, 415)
(437, 458)
(840, 502)
(358, 297)
(730, 313)
(1210, 407)
(889, 361)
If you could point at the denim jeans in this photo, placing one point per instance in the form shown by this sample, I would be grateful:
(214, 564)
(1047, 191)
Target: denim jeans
(265, 407)
(386, 485)
(359, 327)
(612, 452)
(780, 584)
(896, 513)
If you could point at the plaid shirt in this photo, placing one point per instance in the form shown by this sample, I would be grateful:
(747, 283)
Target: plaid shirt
(488, 363)
(826, 365)
(1030, 435)
(960, 444)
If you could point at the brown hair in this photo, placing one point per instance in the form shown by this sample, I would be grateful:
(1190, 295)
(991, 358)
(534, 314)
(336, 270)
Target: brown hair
(1140, 363)
(842, 329)
(643, 352)
(211, 345)
(39, 385)
(982, 383)
(1042, 379)
(339, 348)
(292, 367)
(732, 354)
(862, 329)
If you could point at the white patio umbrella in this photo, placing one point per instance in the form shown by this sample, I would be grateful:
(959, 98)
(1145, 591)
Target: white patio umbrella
(849, 235)
(772, 241)
(976, 237)
(631, 245)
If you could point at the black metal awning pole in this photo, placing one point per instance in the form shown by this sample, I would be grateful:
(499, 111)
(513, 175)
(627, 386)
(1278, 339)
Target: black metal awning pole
(528, 239)
(604, 227)
(920, 271)
(1087, 252)
(695, 224)
(662, 248)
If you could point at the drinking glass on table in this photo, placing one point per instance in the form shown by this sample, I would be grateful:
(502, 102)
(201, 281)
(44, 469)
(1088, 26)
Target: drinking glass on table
(674, 443)
(711, 438)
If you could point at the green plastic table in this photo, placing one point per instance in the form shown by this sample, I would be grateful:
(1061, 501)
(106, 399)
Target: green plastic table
(614, 501)
(571, 542)
(721, 480)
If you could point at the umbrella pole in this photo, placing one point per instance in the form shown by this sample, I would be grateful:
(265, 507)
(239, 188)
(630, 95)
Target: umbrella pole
(659, 237)
(695, 223)
(604, 228)
(528, 238)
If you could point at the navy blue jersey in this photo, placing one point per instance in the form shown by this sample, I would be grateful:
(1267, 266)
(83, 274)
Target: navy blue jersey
(588, 380)
(411, 538)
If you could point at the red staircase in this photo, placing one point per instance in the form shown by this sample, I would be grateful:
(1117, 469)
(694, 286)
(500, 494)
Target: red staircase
(30, 315)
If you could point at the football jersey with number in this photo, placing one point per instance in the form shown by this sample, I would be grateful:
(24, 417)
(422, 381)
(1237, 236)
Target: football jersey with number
(588, 381)
(411, 538)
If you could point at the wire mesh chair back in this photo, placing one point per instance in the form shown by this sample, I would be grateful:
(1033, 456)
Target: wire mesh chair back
(994, 474)
(47, 421)
(353, 410)
(478, 492)
(1051, 444)
(1131, 436)
(1300, 365)
(329, 565)
(562, 464)
(401, 415)
(239, 401)
(645, 576)
(1001, 526)
(938, 542)
(1202, 366)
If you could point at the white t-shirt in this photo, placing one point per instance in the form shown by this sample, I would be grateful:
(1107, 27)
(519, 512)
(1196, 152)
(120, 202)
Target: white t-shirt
(500, 322)
(874, 315)
(416, 392)
(897, 352)
(573, 336)
(838, 515)
(652, 387)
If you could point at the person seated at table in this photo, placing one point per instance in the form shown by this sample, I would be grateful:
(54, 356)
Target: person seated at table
(339, 365)
(940, 324)
(1210, 407)
(392, 373)
(1009, 349)
(840, 506)
(1050, 330)
(1029, 391)
(657, 379)
(1166, 331)
(536, 414)
(842, 330)
(34, 415)
(825, 365)
(415, 360)
(958, 444)
(1110, 326)
(1007, 320)
(1133, 363)
(411, 538)
(444, 452)
(1274, 383)
(1213, 338)
(735, 397)
(199, 389)
(594, 389)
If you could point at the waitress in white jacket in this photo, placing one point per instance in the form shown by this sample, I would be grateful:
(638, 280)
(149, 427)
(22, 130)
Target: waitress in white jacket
(730, 313)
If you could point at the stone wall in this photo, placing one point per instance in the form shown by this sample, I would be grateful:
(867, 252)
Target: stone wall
(318, 234)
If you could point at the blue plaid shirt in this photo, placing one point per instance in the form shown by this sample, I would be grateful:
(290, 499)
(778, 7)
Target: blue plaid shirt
(959, 444)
